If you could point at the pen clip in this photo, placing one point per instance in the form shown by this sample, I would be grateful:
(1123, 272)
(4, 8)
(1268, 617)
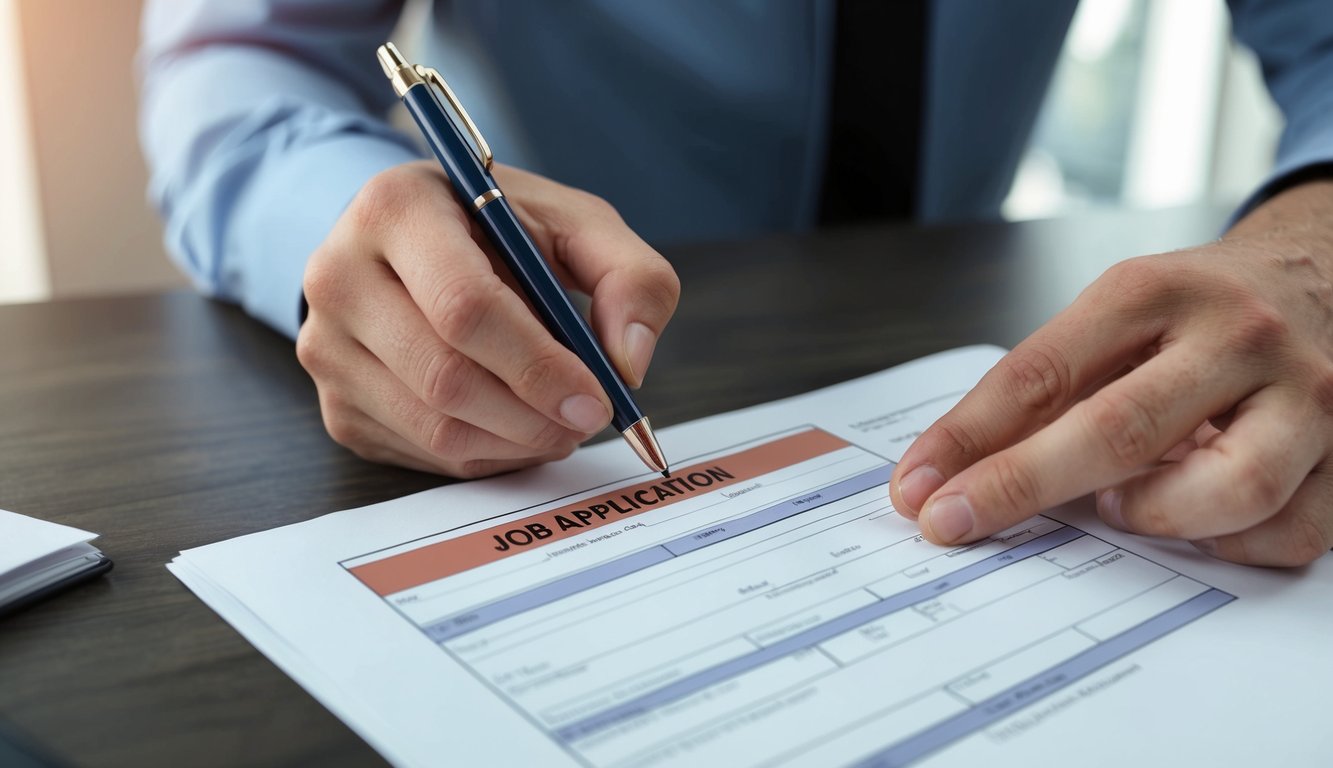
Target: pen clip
(432, 77)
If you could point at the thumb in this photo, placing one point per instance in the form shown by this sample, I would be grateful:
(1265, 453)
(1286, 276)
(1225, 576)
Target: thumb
(631, 305)
(634, 290)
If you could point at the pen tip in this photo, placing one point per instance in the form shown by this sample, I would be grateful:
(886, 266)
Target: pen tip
(640, 437)
(390, 59)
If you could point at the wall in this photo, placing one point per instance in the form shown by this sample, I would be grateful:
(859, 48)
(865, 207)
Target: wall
(23, 275)
(100, 234)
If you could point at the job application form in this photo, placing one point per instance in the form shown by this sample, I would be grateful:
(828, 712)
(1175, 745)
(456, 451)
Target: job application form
(765, 605)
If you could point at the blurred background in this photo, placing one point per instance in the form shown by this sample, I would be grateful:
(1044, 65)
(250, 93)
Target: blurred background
(1152, 105)
(74, 219)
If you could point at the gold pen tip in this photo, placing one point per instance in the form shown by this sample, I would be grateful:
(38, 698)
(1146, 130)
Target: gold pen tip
(640, 437)
(666, 473)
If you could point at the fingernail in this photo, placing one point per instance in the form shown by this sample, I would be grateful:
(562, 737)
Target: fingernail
(1206, 546)
(584, 413)
(917, 486)
(639, 344)
(1108, 506)
(949, 518)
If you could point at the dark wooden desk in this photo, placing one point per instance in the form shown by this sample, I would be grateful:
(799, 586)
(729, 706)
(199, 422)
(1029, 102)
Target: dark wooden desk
(167, 422)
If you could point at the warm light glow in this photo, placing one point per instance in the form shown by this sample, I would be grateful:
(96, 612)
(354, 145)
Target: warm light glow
(23, 275)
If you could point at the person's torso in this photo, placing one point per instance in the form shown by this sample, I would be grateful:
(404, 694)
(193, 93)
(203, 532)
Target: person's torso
(703, 119)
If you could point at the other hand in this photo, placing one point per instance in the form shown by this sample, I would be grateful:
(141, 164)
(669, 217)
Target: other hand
(424, 353)
(1193, 391)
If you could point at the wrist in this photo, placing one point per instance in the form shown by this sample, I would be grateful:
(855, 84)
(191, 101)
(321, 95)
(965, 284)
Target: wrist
(1302, 209)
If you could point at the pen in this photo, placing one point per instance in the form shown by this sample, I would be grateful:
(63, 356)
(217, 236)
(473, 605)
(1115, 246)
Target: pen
(468, 169)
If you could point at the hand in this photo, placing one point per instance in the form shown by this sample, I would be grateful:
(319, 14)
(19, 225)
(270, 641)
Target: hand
(424, 353)
(1192, 390)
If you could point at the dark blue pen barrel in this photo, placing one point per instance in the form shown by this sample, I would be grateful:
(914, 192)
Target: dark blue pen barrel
(520, 254)
(453, 151)
(559, 314)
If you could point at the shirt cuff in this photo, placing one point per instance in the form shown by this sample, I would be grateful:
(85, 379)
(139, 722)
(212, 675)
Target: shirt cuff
(1280, 182)
(1307, 153)
(282, 221)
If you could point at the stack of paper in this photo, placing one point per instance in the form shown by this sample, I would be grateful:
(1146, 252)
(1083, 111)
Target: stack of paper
(766, 605)
(38, 558)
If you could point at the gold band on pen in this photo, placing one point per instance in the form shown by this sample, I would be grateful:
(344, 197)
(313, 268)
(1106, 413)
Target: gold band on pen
(488, 196)
(400, 73)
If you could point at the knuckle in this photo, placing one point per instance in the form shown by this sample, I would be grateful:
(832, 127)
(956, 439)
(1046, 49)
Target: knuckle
(459, 308)
(322, 283)
(1257, 328)
(1014, 485)
(333, 403)
(449, 438)
(1152, 518)
(1261, 487)
(310, 348)
(382, 200)
(659, 284)
(1040, 377)
(341, 429)
(446, 383)
(1137, 277)
(651, 284)
(537, 375)
(1124, 427)
(960, 440)
(596, 205)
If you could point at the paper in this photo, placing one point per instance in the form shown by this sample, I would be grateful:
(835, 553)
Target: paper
(25, 539)
(36, 556)
(766, 606)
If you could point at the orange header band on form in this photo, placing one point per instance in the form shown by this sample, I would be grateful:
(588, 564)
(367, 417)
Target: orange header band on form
(446, 558)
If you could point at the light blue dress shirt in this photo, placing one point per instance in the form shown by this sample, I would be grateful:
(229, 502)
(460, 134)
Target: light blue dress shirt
(696, 118)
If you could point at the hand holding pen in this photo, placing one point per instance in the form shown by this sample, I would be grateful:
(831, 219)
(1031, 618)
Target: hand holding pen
(426, 358)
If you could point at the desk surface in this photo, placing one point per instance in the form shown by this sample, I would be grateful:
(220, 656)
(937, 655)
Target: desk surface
(166, 422)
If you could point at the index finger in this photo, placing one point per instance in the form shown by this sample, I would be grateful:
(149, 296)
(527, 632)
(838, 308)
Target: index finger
(1092, 339)
(1101, 441)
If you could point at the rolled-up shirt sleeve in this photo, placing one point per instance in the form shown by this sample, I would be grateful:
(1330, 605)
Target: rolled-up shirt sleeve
(260, 122)
(1294, 42)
